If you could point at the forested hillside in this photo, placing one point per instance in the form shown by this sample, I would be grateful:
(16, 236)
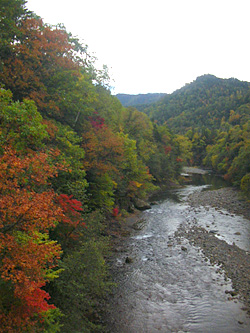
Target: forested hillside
(203, 102)
(73, 161)
(211, 117)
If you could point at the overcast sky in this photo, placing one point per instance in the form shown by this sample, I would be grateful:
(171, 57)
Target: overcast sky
(158, 45)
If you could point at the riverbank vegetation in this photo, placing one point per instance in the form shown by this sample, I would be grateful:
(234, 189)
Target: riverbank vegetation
(72, 162)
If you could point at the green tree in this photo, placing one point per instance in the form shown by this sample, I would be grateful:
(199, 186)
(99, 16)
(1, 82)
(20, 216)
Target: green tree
(21, 123)
(185, 147)
(11, 14)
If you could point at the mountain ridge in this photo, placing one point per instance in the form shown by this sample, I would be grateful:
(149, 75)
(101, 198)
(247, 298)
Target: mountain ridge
(139, 99)
(201, 103)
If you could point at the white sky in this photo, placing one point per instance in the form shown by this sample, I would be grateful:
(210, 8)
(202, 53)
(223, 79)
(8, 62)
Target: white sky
(158, 45)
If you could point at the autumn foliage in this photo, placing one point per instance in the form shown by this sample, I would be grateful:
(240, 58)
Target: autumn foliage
(71, 160)
(40, 56)
(28, 211)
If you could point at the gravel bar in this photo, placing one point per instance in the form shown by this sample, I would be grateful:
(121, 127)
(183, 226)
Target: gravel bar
(234, 262)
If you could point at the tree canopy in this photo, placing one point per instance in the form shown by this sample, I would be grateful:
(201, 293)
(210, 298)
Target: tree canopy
(212, 115)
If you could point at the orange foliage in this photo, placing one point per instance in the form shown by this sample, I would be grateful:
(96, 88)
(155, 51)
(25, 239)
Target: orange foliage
(38, 58)
(27, 213)
(103, 150)
(51, 128)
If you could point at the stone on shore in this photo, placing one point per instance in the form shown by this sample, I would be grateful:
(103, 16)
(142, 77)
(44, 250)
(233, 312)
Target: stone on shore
(234, 262)
(141, 204)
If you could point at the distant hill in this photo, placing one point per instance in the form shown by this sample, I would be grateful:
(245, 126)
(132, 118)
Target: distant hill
(140, 99)
(204, 102)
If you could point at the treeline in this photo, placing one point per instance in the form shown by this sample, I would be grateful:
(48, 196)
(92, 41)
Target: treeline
(72, 162)
(211, 118)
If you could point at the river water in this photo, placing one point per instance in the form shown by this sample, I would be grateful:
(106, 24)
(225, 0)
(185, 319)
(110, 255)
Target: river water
(168, 285)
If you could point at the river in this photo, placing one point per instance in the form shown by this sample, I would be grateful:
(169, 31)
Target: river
(165, 284)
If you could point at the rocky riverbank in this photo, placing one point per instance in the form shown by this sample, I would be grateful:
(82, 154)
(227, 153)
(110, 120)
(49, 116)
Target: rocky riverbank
(162, 265)
(227, 198)
(234, 262)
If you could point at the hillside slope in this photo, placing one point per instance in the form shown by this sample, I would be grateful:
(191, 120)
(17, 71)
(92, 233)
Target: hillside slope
(204, 102)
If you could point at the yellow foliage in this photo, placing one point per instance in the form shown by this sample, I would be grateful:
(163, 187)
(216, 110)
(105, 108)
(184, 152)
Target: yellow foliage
(214, 160)
(115, 184)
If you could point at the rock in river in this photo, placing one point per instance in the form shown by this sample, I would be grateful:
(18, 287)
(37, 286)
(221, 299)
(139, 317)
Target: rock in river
(141, 204)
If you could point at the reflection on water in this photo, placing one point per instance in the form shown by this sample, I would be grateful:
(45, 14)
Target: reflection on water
(164, 195)
(169, 286)
(215, 182)
(206, 181)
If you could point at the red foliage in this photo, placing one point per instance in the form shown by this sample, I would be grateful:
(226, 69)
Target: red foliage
(37, 299)
(167, 149)
(21, 313)
(72, 212)
(69, 204)
(96, 120)
(115, 211)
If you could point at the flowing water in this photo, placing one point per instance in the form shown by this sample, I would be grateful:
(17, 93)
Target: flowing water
(169, 286)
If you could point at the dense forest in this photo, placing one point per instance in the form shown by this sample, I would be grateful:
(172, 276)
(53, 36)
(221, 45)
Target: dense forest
(73, 164)
(211, 121)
